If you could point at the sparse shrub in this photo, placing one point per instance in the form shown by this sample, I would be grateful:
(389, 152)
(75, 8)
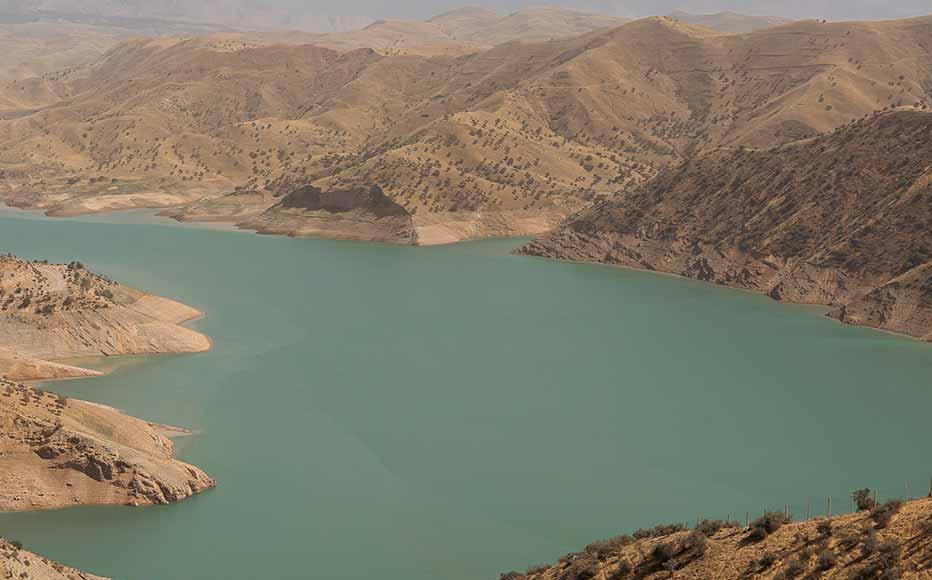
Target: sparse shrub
(767, 524)
(623, 570)
(711, 527)
(538, 569)
(883, 513)
(926, 527)
(511, 576)
(696, 543)
(766, 561)
(582, 567)
(662, 553)
(824, 528)
(863, 499)
(603, 548)
(794, 568)
(827, 559)
(658, 531)
(871, 543)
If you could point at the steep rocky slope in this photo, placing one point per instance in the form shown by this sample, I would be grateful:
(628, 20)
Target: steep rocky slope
(888, 541)
(52, 312)
(843, 220)
(15, 562)
(502, 141)
(58, 452)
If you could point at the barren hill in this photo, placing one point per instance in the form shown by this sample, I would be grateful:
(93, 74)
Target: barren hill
(892, 540)
(52, 312)
(842, 219)
(502, 141)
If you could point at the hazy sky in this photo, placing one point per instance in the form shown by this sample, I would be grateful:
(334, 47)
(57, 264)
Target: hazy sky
(342, 14)
(835, 9)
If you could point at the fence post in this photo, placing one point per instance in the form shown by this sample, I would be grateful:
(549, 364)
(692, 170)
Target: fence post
(808, 509)
(747, 519)
(875, 497)
(829, 510)
(906, 488)
(786, 511)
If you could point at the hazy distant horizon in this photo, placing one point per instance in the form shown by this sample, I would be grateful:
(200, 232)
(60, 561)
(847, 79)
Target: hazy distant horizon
(328, 16)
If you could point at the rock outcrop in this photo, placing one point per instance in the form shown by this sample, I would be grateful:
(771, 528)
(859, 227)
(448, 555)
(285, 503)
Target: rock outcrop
(58, 452)
(841, 220)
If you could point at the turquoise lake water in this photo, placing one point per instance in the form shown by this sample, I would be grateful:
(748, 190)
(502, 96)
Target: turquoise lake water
(453, 412)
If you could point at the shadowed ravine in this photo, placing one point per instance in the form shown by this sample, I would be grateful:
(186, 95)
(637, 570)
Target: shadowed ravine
(412, 413)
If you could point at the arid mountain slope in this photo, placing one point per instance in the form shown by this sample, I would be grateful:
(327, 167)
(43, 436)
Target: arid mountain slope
(16, 562)
(890, 541)
(843, 219)
(35, 49)
(502, 141)
(730, 21)
(57, 452)
(55, 312)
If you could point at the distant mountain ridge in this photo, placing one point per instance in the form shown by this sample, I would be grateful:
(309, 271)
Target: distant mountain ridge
(207, 14)
(491, 141)
(730, 22)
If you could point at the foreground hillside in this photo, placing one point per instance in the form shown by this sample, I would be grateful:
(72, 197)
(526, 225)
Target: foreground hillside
(503, 141)
(52, 312)
(841, 220)
(18, 563)
(889, 541)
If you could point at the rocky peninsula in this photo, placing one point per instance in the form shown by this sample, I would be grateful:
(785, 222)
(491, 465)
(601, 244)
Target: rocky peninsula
(57, 452)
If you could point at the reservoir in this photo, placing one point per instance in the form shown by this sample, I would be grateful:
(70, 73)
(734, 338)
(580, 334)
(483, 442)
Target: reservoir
(452, 412)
